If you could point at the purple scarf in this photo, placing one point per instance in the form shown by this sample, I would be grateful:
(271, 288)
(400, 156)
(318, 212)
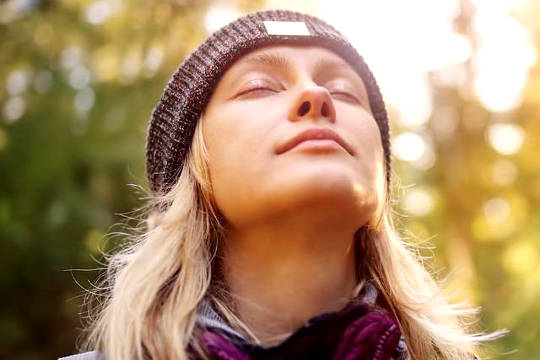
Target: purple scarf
(361, 330)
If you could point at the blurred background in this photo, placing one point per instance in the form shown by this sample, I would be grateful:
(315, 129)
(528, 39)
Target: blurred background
(79, 79)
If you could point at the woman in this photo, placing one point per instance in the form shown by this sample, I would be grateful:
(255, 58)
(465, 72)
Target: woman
(268, 233)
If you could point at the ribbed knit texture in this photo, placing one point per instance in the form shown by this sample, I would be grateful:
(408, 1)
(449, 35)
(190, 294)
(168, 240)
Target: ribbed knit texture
(188, 91)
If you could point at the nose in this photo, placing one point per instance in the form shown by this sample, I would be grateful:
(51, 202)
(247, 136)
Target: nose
(313, 102)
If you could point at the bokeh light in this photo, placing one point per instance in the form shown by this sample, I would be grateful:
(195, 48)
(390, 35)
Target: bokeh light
(496, 210)
(418, 202)
(14, 108)
(506, 139)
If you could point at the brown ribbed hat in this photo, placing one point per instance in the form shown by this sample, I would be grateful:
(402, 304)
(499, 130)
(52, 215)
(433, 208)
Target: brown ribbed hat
(174, 118)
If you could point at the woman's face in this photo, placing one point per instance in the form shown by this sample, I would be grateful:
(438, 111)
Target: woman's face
(265, 99)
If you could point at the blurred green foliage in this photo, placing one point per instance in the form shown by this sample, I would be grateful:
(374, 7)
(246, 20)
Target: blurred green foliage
(76, 95)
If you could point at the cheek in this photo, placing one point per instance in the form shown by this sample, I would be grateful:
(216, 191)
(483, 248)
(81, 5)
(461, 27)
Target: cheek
(367, 140)
(235, 143)
(239, 148)
(371, 151)
(370, 155)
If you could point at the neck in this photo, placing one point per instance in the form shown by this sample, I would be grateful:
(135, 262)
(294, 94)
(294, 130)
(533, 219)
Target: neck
(283, 274)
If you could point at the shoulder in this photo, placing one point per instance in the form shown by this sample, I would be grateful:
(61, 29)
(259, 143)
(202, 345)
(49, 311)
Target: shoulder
(90, 355)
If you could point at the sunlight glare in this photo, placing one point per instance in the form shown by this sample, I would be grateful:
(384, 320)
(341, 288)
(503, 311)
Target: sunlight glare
(506, 139)
(409, 146)
(219, 15)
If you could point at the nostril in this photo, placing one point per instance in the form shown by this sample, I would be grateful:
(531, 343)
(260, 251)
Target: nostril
(304, 108)
(325, 111)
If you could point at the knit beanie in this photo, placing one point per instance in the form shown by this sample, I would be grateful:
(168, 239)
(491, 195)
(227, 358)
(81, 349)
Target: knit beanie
(184, 99)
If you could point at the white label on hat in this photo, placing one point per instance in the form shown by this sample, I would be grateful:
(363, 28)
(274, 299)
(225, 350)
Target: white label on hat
(286, 28)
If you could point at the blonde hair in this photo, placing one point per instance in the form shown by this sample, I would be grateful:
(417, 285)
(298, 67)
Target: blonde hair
(153, 286)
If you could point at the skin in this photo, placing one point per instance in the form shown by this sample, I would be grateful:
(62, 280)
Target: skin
(288, 250)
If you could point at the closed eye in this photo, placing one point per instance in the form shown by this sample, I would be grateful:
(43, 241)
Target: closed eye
(346, 95)
(256, 89)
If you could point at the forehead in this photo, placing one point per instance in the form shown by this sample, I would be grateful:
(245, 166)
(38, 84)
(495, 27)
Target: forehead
(291, 58)
(292, 52)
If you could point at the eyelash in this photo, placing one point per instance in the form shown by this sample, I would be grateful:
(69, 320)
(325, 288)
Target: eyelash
(346, 94)
(255, 88)
(265, 88)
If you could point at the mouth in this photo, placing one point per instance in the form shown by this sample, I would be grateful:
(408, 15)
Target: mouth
(314, 134)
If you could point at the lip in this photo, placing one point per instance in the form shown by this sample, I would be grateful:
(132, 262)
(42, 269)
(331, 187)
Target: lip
(314, 134)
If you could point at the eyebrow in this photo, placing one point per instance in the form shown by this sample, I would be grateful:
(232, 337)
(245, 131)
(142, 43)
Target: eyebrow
(282, 62)
(270, 59)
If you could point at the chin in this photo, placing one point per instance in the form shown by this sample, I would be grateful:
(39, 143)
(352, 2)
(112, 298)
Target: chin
(322, 187)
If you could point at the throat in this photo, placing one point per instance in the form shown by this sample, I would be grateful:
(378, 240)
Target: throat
(278, 286)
